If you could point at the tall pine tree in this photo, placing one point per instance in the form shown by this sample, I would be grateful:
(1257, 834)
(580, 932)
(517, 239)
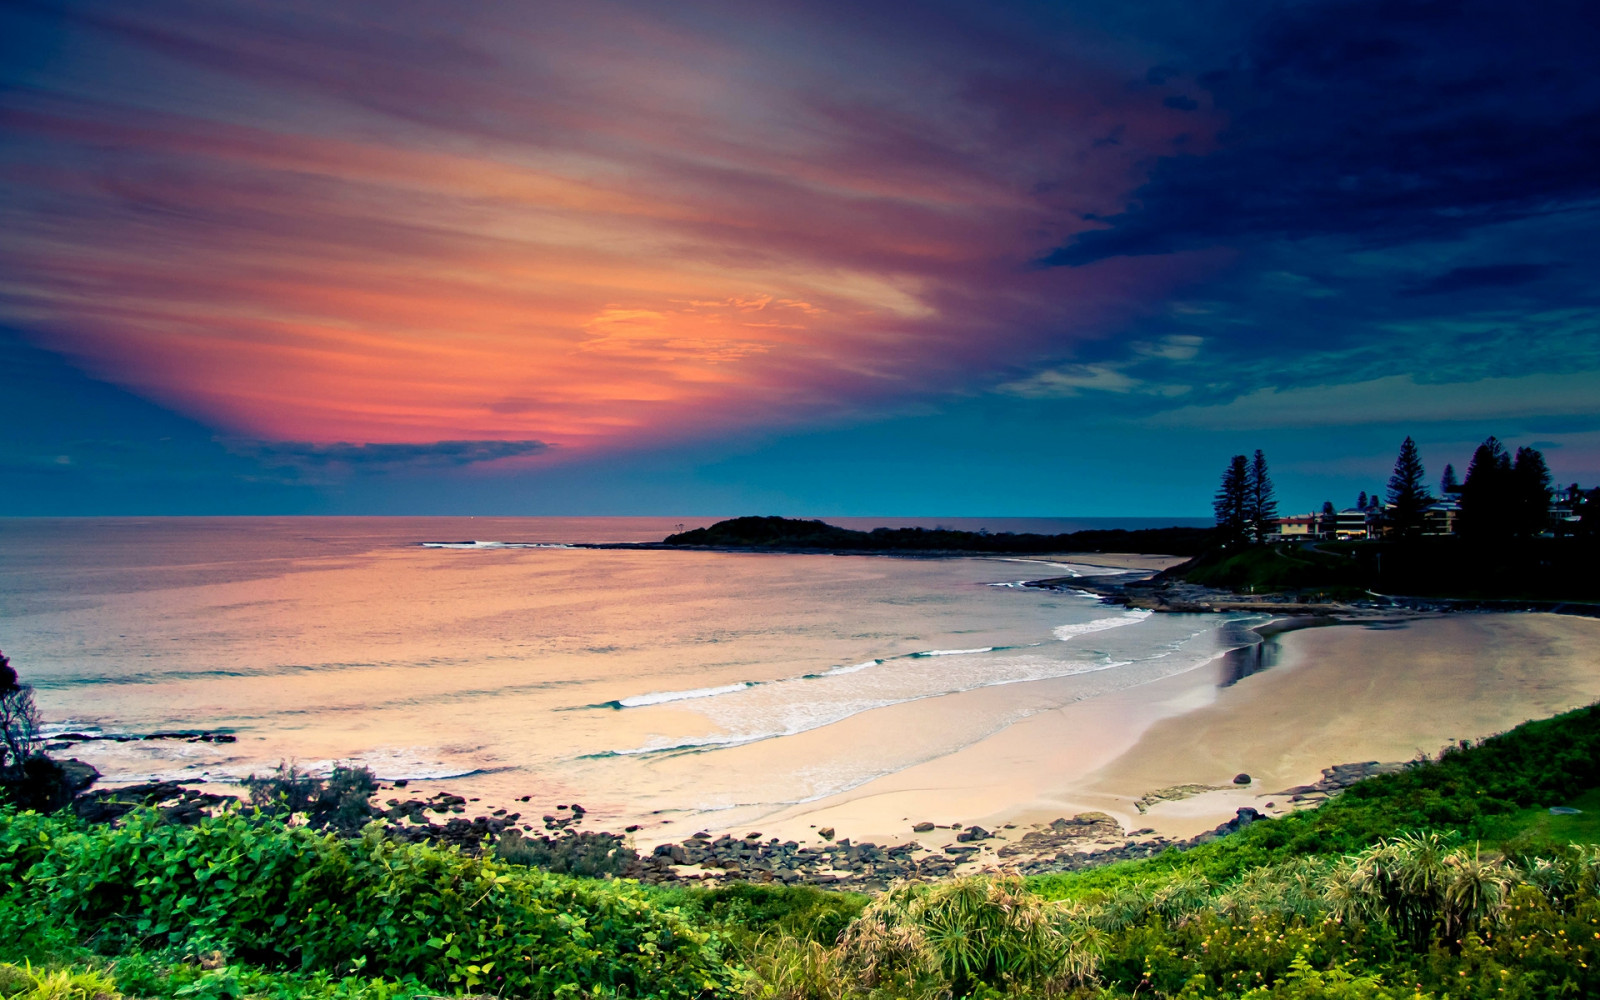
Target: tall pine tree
(1530, 488)
(1408, 497)
(1261, 506)
(1231, 503)
(1487, 494)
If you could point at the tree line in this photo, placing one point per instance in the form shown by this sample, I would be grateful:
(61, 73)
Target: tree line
(1504, 497)
(1246, 505)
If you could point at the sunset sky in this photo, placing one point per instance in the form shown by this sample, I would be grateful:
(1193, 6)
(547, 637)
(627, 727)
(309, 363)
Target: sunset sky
(813, 257)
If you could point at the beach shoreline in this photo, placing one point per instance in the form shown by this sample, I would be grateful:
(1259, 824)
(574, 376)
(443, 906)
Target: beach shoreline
(1375, 692)
(1141, 767)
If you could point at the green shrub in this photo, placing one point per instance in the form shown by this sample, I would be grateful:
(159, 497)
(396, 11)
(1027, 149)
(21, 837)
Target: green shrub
(591, 855)
(339, 802)
(28, 983)
(287, 897)
(748, 910)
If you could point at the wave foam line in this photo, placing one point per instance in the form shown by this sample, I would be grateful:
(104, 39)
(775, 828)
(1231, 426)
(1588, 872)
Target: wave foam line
(704, 744)
(954, 652)
(494, 545)
(853, 668)
(1066, 632)
(663, 697)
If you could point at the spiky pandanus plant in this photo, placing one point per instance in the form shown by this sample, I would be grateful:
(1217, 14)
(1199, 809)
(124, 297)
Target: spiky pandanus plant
(1181, 898)
(1418, 882)
(1557, 879)
(1474, 887)
(1292, 889)
(886, 943)
(1115, 911)
(785, 967)
(968, 931)
(1400, 880)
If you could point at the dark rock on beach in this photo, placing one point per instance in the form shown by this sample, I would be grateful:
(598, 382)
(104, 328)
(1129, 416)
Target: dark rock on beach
(176, 802)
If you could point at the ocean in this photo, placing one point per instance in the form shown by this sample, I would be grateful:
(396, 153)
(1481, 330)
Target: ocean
(705, 687)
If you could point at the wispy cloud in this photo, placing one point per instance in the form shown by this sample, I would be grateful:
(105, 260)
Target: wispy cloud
(345, 457)
(1394, 399)
(322, 222)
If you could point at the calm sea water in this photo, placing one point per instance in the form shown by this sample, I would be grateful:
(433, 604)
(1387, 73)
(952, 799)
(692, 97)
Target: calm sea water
(636, 681)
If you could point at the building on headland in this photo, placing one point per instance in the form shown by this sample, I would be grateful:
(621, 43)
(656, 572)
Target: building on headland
(1354, 524)
(1299, 527)
(1440, 518)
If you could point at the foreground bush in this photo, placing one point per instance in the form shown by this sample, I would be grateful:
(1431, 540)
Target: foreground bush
(284, 897)
(1415, 916)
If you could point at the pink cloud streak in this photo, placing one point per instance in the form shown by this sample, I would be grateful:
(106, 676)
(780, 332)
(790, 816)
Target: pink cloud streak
(596, 231)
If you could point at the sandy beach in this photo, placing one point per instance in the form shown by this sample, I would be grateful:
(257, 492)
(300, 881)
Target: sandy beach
(1378, 691)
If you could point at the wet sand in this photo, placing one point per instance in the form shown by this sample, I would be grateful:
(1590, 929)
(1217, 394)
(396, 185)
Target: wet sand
(1358, 692)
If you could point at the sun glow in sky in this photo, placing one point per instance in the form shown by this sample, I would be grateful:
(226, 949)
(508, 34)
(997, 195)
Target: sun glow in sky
(731, 254)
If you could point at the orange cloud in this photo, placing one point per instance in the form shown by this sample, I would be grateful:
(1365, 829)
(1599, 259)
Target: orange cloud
(587, 231)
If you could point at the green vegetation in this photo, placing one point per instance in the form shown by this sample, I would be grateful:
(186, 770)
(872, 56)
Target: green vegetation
(286, 898)
(1449, 879)
(1536, 569)
(1305, 572)
(790, 534)
(338, 802)
(1511, 543)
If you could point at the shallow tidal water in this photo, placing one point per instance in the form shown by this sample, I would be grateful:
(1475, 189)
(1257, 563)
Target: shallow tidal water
(638, 682)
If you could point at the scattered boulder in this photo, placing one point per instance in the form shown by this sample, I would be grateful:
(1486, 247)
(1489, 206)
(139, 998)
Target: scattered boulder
(923, 827)
(1243, 818)
(826, 833)
(1241, 779)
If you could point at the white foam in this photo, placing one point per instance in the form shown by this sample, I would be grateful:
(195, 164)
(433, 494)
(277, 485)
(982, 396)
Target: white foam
(1067, 567)
(954, 652)
(793, 717)
(853, 668)
(494, 545)
(1066, 632)
(662, 697)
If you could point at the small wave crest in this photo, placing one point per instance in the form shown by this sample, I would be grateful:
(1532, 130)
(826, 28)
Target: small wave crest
(852, 668)
(494, 545)
(662, 697)
(1066, 632)
(954, 652)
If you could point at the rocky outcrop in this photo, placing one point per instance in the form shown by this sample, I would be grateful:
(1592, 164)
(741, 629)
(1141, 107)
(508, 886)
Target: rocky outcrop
(176, 802)
(1337, 778)
(1064, 835)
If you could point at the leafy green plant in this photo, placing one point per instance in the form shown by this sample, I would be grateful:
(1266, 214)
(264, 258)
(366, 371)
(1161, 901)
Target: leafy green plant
(288, 897)
(339, 802)
(27, 983)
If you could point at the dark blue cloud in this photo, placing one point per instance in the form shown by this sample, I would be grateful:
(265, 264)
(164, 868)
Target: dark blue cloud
(1467, 279)
(1383, 121)
(383, 457)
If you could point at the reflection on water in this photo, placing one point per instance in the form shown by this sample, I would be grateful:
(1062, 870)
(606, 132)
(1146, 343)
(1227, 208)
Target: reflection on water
(1252, 658)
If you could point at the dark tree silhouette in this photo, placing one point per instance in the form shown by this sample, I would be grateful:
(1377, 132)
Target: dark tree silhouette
(1530, 493)
(1408, 498)
(1327, 508)
(1232, 502)
(19, 723)
(1261, 504)
(1361, 501)
(1448, 482)
(1487, 494)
